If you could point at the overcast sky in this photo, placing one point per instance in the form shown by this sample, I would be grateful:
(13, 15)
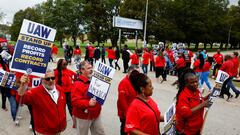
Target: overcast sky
(10, 7)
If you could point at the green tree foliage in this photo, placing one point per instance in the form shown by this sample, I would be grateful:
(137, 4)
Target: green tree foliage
(189, 21)
(30, 14)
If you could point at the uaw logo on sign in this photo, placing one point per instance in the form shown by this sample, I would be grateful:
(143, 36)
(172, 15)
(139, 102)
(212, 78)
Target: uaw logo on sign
(100, 82)
(36, 82)
(33, 48)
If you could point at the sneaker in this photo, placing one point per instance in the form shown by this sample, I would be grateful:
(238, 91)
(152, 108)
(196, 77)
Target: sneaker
(237, 95)
(30, 127)
(5, 109)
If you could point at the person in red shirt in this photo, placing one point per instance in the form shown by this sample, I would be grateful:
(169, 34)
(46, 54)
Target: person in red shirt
(205, 74)
(226, 67)
(189, 105)
(134, 58)
(234, 74)
(48, 104)
(188, 57)
(143, 115)
(64, 78)
(152, 67)
(198, 67)
(54, 52)
(160, 64)
(126, 94)
(91, 53)
(77, 54)
(218, 59)
(180, 66)
(86, 110)
(111, 55)
(145, 60)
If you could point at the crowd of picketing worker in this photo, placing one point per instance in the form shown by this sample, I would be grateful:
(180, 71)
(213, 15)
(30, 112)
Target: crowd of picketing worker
(138, 113)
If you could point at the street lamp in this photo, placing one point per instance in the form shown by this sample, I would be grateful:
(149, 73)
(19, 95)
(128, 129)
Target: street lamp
(145, 26)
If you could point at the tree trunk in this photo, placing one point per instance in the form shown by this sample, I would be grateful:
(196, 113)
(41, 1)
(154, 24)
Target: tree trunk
(74, 40)
(205, 46)
(196, 46)
(211, 45)
(61, 41)
(221, 46)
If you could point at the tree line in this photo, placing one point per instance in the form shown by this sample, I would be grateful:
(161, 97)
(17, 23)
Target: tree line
(188, 21)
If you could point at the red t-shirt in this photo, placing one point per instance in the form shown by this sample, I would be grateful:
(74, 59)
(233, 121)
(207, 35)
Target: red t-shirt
(91, 51)
(111, 53)
(186, 121)
(206, 67)
(196, 66)
(160, 61)
(180, 63)
(227, 67)
(126, 94)
(146, 58)
(54, 50)
(134, 59)
(67, 79)
(235, 66)
(141, 117)
(218, 58)
(151, 56)
(77, 52)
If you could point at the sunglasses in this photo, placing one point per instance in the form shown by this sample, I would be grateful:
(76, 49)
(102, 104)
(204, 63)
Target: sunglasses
(49, 78)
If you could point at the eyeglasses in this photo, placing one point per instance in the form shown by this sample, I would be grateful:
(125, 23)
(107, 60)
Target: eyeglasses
(65, 64)
(49, 78)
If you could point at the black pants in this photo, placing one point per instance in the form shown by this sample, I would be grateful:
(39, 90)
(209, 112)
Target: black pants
(5, 93)
(188, 64)
(152, 66)
(123, 121)
(216, 67)
(125, 65)
(116, 64)
(224, 89)
(103, 59)
(68, 100)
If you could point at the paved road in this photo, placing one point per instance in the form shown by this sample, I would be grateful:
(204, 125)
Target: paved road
(223, 118)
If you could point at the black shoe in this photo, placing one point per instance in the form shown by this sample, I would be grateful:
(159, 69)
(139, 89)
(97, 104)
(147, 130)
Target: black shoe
(237, 95)
(229, 96)
(221, 96)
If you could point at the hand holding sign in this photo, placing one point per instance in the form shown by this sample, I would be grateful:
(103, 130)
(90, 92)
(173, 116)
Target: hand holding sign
(23, 86)
(92, 102)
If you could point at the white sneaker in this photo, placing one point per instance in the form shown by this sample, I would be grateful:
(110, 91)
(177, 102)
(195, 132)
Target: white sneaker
(30, 127)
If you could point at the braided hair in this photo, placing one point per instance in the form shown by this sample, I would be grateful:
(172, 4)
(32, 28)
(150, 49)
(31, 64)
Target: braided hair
(138, 80)
(183, 78)
(202, 61)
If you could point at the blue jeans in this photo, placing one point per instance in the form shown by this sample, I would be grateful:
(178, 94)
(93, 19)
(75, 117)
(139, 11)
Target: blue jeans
(199, 74)
(204, 78)
(14, 106)
(145, 68)
(230, 85)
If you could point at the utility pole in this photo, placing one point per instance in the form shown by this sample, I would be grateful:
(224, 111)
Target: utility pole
(145, 26)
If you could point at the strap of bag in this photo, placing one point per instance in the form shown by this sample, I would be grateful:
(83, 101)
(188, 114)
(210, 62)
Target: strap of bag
(153, 112)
